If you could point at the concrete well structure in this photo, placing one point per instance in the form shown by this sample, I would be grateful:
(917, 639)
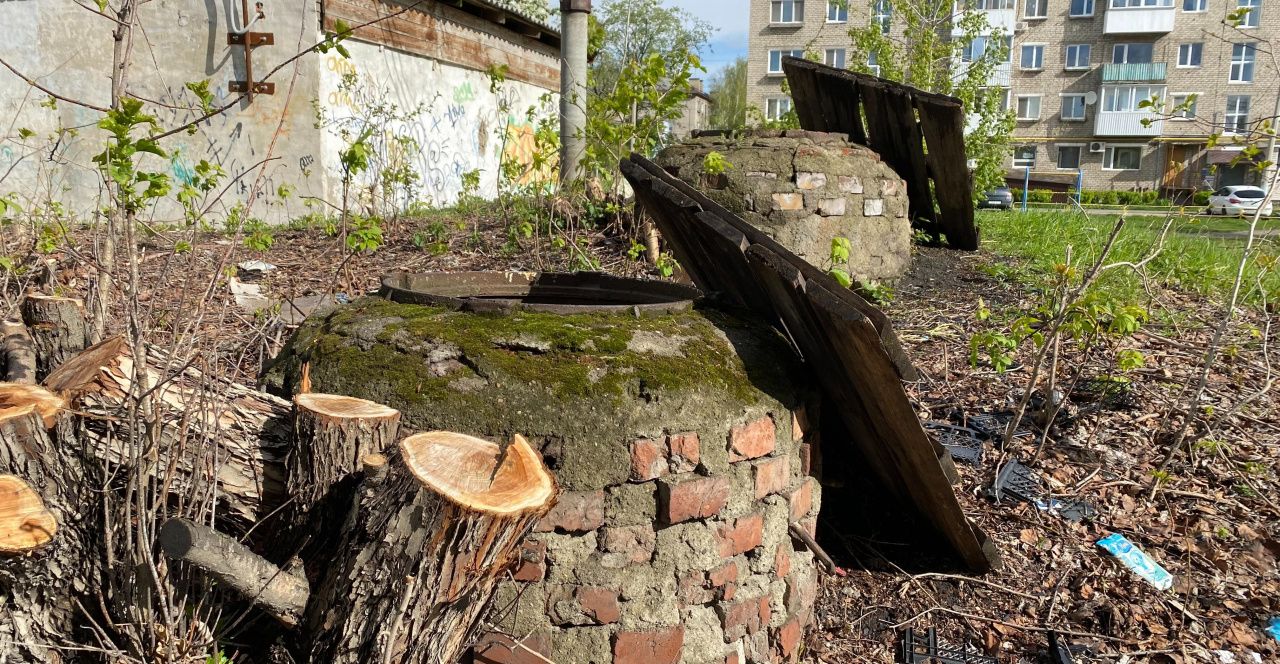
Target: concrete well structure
(804, 189)
(672, 437)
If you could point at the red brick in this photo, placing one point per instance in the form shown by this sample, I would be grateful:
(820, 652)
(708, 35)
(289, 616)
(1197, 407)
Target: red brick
(802, 591)
(733, 658)
(657, 647)
(788, 639)
(782, 560)
(799, 423)
(575, 512)
(533, 561)
(494, 648)
(684, 500)
(600, 604)
(772, 476)
(801, 500)
(686, 452)
(806, 459)
(752, 440)
(634, 543)
(648, 460)
(745, 617)
(740, 535)
(724, 580)
(693, 589)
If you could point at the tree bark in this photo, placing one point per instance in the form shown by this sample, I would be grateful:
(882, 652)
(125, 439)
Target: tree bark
(423, 549)
(217, 437)
(39, 586)
(19, 352)
(333, 433)
(58, 328)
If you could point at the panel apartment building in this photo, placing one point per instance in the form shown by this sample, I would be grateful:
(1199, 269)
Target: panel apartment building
(1077, 72)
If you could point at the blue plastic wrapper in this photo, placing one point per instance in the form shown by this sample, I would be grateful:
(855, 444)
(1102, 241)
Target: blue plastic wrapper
(1133, 558)
(1274, 628)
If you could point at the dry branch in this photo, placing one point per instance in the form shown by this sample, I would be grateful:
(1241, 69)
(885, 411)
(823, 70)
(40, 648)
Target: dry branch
(421, 556)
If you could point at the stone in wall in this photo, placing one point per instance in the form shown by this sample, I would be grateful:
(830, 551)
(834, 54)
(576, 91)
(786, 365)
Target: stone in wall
(804, 189)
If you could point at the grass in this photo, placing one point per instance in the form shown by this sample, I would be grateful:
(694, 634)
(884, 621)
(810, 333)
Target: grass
(1190, 260)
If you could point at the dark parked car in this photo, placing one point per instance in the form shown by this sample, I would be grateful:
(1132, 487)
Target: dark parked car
(1000, 198)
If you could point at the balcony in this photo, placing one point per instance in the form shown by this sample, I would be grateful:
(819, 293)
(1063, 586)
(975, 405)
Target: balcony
(1139, 20)
(1114, 123)
(1135, 72)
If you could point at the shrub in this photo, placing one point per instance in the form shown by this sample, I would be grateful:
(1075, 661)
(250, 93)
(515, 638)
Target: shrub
(1040, 196)
(1201, 197)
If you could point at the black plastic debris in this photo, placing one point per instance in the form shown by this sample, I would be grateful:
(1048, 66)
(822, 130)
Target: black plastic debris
(1071, 510)
(1059, 650)
(1018, 481)
(965, 445)
(929, 650)
(992, 426)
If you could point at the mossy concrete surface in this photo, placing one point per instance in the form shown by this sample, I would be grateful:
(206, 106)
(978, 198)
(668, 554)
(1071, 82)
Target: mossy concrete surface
(581, 386)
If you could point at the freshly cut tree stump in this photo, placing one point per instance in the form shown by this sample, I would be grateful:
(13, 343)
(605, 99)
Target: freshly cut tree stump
(219, 437)
(19, 352)
(19, 395)
(46, 511)
(424, 549)
(57, 326)
(25, 525)
(334, 433)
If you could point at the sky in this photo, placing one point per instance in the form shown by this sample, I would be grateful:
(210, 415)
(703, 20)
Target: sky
(730, 17)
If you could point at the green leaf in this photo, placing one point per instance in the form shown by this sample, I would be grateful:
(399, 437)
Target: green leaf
(25, 133)
(841, 276)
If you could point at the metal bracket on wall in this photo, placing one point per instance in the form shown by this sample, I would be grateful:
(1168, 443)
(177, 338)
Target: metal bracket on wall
(250, 41)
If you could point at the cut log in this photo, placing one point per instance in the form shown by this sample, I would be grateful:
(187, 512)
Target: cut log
(46, 512)
(220, 437)
(25, 525)
(58, 330)
(18, 395)
(333, 433)
(424, 548)
(281, 594)
(19, 352)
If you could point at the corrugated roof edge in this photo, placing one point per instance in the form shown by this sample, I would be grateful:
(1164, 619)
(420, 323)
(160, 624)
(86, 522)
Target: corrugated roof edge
(503, 6)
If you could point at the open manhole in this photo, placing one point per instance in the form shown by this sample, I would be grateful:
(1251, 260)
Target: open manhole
(581, 292)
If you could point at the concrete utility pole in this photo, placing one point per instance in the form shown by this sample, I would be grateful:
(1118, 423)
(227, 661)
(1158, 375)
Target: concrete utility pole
(574, 27)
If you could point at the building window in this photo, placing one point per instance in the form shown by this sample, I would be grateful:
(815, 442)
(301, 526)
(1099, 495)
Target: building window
(1078, 56)
(873, 63)
(1029, 107)
(1072, 107)
(1190, 55)
(1237, 114)
(1032, 56)
(1195, 5)
(1081, 8)
(1128, 98)
(1184, 107)
(1122, 158)
(1131, 53)
(834, 57)
(787, 11)
(1035, 9)
(837, 11)
(1242, 57)
(1001, 95)
(1069, 157)
(882, 15)
(775, 59)
(1254, 15)
(1024, 156)
(1138, 4)
(989, 4)
(777, 107)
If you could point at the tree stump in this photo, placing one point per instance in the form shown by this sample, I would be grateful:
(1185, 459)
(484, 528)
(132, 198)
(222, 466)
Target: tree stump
(424, 548)
(333, 433)
(216, 435)
(46, 511)
(58, 330)
(46, 403)
(19, 352)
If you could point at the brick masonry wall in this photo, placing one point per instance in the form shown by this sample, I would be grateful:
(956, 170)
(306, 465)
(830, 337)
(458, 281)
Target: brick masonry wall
(687, 561)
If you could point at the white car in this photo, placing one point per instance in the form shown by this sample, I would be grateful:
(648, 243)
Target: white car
(1239, 200)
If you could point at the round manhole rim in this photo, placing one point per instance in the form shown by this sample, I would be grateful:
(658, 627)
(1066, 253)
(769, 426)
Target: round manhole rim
(549, 292)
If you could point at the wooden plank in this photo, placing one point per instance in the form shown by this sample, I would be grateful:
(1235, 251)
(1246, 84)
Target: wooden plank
(909, 145)
(888, 337)
(663, 212)
(727, 248)
(858, 375)
(825, 100)
(943, 127)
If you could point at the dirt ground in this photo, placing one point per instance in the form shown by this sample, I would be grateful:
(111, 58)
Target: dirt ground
(1214, 524)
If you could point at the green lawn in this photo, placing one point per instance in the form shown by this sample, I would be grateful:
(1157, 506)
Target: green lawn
(1189, 260)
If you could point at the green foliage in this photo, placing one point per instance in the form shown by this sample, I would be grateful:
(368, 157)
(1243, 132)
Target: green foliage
(839, 257)
(333, 40)
(204, 179)
(1130, 360)
(1109, 197)
(715, 163)
(666, 265)
(365, 235)
(728, 92)
(497, 74)
(24, 133)
(201, 90)
(258, 236)
(119, 160)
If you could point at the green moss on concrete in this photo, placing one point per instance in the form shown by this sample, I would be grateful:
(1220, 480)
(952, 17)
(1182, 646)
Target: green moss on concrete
(576, 384)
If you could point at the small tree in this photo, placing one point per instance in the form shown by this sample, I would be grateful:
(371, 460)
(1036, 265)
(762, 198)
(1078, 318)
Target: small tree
(940, 50)
(728, 93)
